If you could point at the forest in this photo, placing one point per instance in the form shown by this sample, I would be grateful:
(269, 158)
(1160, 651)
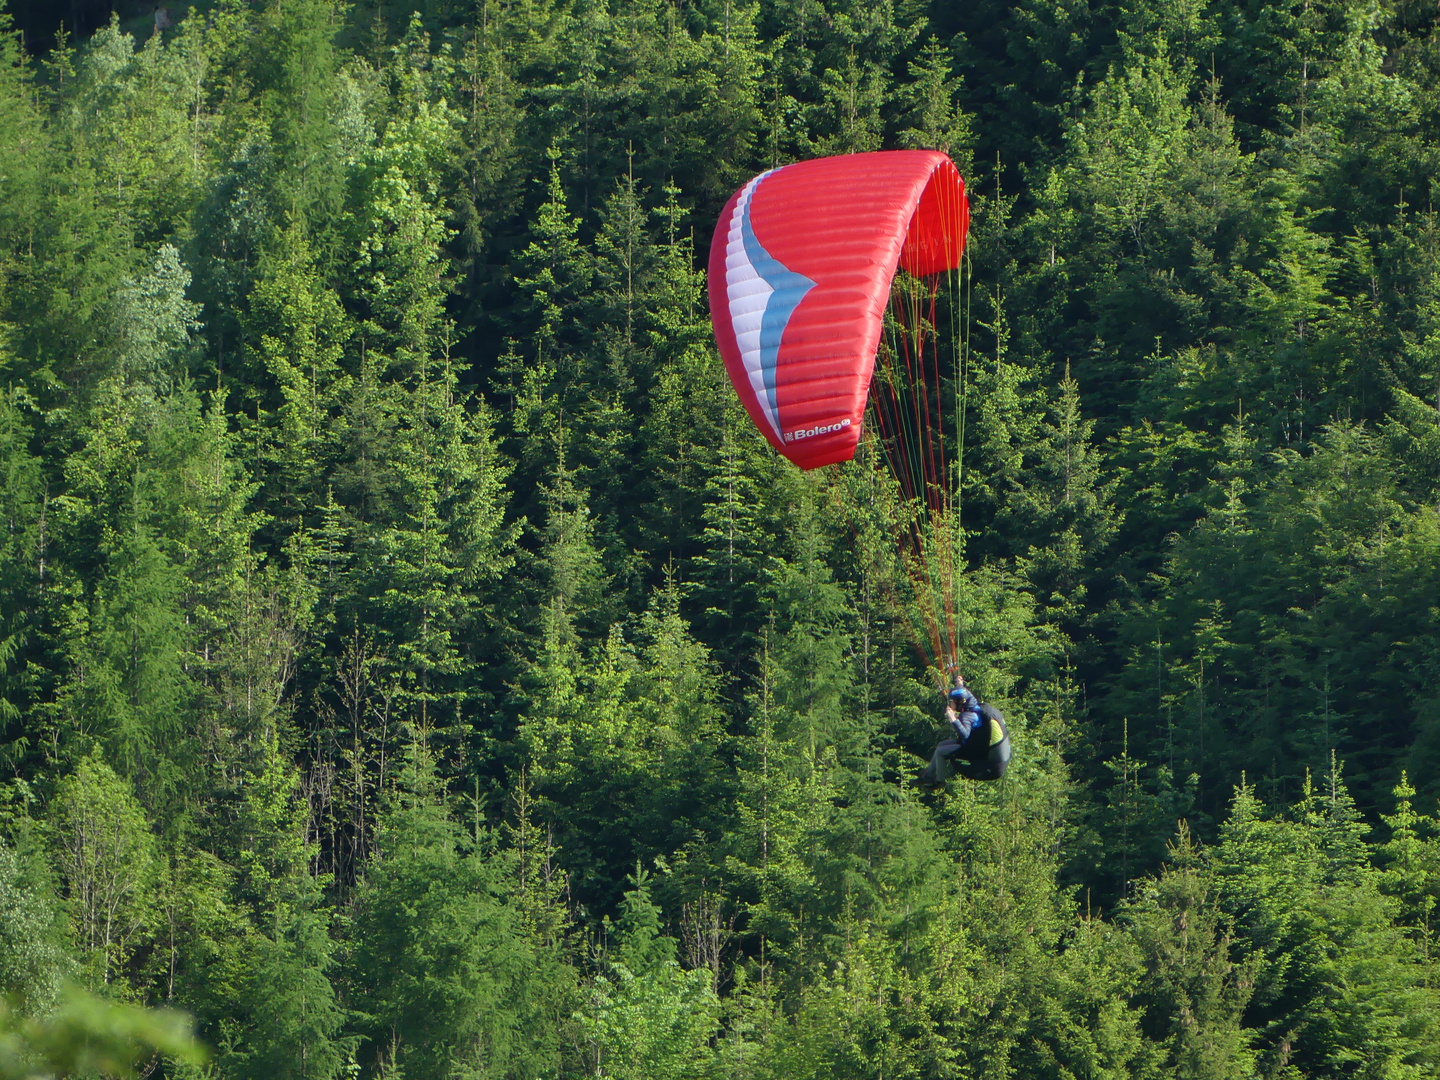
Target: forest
(413, 662)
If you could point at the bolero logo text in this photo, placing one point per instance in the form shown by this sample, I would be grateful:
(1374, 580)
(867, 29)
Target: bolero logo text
(819, 429)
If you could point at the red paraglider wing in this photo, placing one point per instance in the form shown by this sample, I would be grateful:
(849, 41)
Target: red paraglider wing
(800, 273)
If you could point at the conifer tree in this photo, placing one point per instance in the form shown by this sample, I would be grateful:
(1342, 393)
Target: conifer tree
(20, 122)
(296, 340)
(646, 1017)
(937, 122)
(1411, 866)
(557, 271)
(688, 402)
(21, 556)
(293, 1013)
(1288, 883)
(441, 966)
(1193, 992)
(293, 64)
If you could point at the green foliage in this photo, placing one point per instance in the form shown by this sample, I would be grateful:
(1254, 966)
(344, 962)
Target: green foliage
(1329, 959)
(1411, 865)
(106, 857)
(88, 1036)
(295, 1019)
(33, 955)
(653, 1025)
(646, 1016)
(414, 662)
(445, 975)
(22, 495)
(1193, 991)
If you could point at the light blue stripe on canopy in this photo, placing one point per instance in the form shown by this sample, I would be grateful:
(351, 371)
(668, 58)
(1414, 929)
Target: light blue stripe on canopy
(788, 289)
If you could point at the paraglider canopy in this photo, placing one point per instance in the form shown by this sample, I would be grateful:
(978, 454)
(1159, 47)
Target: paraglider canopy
(800, 274)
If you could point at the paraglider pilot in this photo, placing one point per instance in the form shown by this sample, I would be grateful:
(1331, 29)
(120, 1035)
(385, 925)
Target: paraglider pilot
(979, 746)
(962, 710)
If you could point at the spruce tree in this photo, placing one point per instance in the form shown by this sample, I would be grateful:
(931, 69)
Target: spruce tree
(440, 964)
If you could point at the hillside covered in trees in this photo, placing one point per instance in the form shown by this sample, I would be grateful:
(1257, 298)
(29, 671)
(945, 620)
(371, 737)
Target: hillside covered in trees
(414, 663)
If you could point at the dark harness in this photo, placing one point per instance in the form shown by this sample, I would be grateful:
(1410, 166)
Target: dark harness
(983, 756)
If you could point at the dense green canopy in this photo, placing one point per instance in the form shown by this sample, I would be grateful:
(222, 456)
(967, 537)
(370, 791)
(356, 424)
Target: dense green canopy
(412, 661)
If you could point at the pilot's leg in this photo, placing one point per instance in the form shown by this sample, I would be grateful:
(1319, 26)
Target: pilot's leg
(938, 771)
